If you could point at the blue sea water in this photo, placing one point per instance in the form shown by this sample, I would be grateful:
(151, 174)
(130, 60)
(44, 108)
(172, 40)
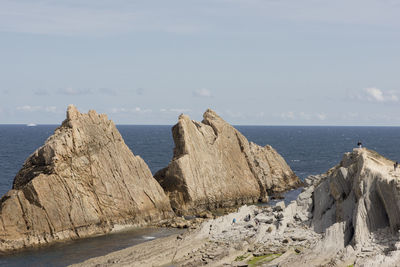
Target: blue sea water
(308, 150)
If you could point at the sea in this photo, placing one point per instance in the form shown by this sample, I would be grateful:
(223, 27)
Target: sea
(308, 150)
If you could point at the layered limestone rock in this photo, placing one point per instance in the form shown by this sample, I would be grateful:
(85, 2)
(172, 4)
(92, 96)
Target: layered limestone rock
(346, 217)
(363, 192)
(356, 206)
(214, 165)
(83, 181)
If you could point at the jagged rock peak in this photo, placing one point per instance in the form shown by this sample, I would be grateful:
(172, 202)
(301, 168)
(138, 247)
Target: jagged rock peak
(83, 181)
(72, 112)
(215, 165)
(211, 114)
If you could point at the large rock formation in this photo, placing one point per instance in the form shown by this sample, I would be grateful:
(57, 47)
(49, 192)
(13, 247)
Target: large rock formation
(356, 206)
(363, 192)
(346, 217)
(82, 182)
(214, 165)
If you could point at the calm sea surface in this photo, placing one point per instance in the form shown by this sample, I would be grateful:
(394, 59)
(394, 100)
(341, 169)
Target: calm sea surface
(308, 150)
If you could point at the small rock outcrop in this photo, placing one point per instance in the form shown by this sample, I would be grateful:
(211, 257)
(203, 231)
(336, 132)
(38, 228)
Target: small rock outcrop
(83, 181)
(214, 166)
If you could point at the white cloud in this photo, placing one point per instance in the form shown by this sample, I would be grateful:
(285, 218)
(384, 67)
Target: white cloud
(321, 116)
(374, 94)
(29, 108)
(202, 93)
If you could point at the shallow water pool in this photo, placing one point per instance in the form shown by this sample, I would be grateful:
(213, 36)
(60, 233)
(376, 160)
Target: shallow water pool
(66, 253)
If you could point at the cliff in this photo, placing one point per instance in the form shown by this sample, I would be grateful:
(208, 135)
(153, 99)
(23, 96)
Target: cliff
(356, 207)
(83, 181)
(363, 193)
(214, 166)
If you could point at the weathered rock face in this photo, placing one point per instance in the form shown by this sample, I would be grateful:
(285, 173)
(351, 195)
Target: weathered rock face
(356, 206)
(82, 182)
(363, 192)
(214, 166)
(353, 209)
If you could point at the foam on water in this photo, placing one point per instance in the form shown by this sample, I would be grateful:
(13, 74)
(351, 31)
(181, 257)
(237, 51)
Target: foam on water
(149, 237)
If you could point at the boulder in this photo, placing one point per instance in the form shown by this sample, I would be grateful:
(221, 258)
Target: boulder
(280, 206)
(214, 166)
(83, 181)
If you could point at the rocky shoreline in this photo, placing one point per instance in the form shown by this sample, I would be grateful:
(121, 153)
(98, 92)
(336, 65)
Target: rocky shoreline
(84, 181)
(291, 235)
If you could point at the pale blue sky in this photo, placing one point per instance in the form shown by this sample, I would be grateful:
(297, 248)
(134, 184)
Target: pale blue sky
(256, 62)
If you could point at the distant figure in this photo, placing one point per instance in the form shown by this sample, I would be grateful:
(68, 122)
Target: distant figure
(396, 165)
(359, 144)
(247, 218)
(234, 221)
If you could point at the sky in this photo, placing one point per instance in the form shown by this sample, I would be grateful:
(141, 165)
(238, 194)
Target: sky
(255, 62)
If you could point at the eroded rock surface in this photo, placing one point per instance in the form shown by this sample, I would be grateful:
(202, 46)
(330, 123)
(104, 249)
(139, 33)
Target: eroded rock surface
(82, 182)
(214, 165)
(346, 217)
(355, 206)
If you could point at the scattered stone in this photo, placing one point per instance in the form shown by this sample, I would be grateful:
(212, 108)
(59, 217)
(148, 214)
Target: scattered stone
(206, 214)
(279, 216)
(240, 264)
(279, 206)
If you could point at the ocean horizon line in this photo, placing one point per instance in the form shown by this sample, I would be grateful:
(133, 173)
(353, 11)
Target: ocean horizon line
(235, 125)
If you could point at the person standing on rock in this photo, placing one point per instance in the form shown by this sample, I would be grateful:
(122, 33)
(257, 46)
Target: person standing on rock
(396, 165)
(359, 144)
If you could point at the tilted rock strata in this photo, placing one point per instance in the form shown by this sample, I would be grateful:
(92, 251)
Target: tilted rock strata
(363, 192)
(356, 206)
(82, 182)
(214, 165)
(330, 224)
